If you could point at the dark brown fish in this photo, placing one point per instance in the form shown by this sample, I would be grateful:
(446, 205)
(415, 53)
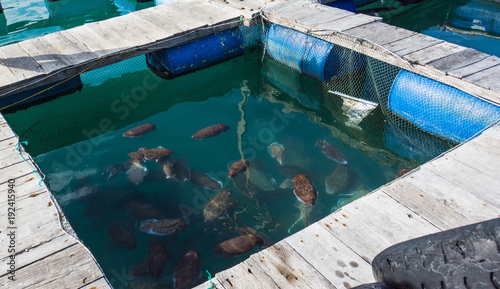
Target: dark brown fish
(188, 270)
(153, 154)
(245, 230)
(210, 131)
(162, 227)
(402, 172)
(218, 205)
(204, 180)
(238, 246)
(338, 179)
(156, 259)
(122, 238)
(238, 167)
(139, 130)
(304, 190)
(180, 170)
(138, 155)
(166, 163)
(331, 151)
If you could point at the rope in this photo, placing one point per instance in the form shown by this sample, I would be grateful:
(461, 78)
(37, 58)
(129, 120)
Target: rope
(33, 169)
(212, 285)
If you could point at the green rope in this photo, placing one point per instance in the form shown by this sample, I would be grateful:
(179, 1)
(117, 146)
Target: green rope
(210, 280)
(35, 171)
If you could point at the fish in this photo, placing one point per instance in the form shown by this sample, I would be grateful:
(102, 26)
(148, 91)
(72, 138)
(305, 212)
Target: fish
(136, 172)
(157, 256)
(204, 180)
(286, 184)
(331, 151)
(138, 155)
(276, 151)
(180, 170)
(262, 180)
(162, 227)
(238, 246)
(238, 167)
(218, 205)
(188, 270)
(167, 164)
(143, 211)
(304, 190)
(122, 238)
(210, 131)
(157, 153)
(113, 170)
(245, 230)
(337, 180)
(402, 172)
(139, 130)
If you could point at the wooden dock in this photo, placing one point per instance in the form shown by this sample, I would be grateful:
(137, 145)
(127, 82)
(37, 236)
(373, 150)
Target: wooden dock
(458, 188)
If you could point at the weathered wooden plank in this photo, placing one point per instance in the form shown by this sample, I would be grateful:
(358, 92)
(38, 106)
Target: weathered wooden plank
(468, 178)
(412, 44)
(113, 41)
(487, 78)
(389, 218)
(101, 283)
(333, 259)
(207, 284)
(451, 195)
(476, 159)
(347, 22)
(99, 46)
(288, 269)
(435, 52)
(168, 23)
(380, 33)
(244, 274)
(487, 143)
(64, 269)
(311, 14)
(481, 65)
(354, 233)
(493, 132)
(8, 142)
(14, 170)
(20, 62)
(123, 28)
(138, 25)
(7, 75)
(437, 213)
(457, 60)
(45, 55)
(6, 131)
(68, 46)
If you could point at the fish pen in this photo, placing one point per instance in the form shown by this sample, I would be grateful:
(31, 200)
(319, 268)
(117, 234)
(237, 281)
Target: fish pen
(187, 159)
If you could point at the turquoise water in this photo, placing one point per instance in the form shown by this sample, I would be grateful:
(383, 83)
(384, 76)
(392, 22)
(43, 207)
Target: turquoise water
(22, 20)
(74, 138)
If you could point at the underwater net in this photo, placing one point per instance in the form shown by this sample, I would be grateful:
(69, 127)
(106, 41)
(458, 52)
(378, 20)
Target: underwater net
(299, 109)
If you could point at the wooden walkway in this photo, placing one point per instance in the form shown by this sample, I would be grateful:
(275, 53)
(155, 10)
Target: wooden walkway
(458, 188)
(46, 255)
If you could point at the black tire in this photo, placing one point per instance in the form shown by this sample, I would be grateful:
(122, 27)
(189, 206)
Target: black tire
(373, 286)
(466, 257)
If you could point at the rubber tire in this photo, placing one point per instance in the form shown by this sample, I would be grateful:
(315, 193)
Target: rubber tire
(373, 286)
(465, 257)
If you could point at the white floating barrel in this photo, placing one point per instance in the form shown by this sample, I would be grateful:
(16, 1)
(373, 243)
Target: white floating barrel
(312, 56)
(439, 108)
(197, 54)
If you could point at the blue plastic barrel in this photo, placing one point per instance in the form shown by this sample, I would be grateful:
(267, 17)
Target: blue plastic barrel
(312, 56)
(439, 108)
(25, 98)
(343, 4)
(478, 15)
(197, 54)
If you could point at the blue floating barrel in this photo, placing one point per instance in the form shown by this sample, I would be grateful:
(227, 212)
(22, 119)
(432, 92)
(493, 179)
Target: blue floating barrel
(343, 4)
(312, 56)
(42, 93)
(439, 108)
(475, 15)
(197, 54)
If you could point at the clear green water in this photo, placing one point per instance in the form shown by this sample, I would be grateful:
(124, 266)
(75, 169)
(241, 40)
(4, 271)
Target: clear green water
(22, 20)
(122, 96)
